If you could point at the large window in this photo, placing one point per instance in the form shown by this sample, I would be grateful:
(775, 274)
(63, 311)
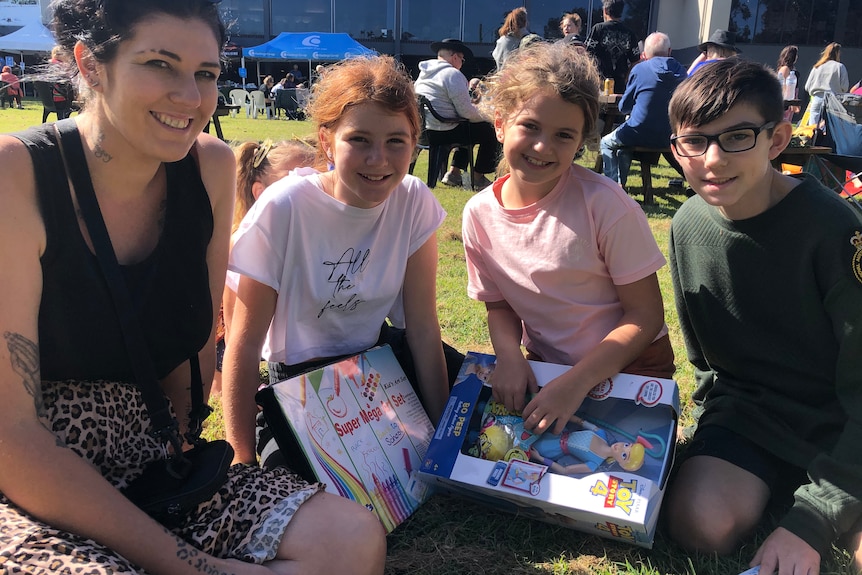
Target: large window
(243, 17)
(423, 20)
(301, 16)
(482, 19)
(545, 16)
(801, 22)
(366, 19)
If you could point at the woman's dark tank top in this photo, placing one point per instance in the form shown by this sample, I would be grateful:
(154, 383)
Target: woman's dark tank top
(79, 332)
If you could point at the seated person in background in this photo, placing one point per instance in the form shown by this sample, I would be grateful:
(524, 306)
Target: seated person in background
(722, 44)
(298, 76)
(650, 86)
(564, 260)
(266, 86)
(13, 88)
(319, 71)
(289, 81)
(329, 259)
(441, 81)
(771, 320)
(278, 86)
(475, 88)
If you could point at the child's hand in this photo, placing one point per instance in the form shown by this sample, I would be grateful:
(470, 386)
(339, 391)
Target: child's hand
(786, 550)
(557, 401)
(511, 379)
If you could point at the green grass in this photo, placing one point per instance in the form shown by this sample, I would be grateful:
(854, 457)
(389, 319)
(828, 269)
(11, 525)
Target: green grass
(452, 535)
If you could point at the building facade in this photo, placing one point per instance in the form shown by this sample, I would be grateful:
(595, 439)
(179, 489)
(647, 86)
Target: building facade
(406, 27)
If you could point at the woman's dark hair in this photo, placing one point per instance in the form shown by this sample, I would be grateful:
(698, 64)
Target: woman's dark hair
(788, 56)
(102, 24)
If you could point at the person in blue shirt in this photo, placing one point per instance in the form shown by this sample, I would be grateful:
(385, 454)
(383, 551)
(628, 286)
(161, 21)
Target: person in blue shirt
(650, 86)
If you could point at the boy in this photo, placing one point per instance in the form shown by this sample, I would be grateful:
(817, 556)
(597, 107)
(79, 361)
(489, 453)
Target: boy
(767, 274)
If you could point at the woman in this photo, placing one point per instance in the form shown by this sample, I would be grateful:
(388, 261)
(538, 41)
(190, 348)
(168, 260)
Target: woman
(325, 259)
(266, 86)
(789, 78)
(828, 75)
(570, 26)
(513, 29)
(13, 88)
(73, 425)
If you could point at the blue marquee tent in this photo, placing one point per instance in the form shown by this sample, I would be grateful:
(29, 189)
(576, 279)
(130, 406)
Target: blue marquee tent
(312, 46)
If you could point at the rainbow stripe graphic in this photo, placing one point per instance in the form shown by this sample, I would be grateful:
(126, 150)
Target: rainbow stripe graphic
(345, 482)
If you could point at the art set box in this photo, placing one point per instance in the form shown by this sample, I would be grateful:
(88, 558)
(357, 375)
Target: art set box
(357, 426)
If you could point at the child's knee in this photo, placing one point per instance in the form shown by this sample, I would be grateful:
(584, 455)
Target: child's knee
(704, 523)
(705, 533)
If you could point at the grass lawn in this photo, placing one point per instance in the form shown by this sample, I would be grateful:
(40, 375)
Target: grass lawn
(451, 535)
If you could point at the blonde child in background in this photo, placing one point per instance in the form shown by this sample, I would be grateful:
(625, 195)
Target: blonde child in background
(564, 260)
(259, 165)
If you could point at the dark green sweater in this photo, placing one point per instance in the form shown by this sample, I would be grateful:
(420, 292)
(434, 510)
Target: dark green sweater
(771, 312)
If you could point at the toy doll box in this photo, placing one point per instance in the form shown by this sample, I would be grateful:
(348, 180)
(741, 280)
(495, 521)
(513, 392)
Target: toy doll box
(553, 484)
(357, 426)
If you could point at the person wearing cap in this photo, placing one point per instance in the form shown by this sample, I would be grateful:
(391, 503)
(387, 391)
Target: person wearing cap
(441, 81)
(722, 44)
(614, 46)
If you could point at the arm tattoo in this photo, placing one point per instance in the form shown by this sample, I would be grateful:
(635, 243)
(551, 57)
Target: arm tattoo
(196, 559)
(24, 356)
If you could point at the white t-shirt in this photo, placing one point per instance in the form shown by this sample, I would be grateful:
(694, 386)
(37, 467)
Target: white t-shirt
(338, 269)
(556, 262)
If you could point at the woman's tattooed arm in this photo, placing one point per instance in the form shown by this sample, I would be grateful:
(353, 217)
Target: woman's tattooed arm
(24, 355)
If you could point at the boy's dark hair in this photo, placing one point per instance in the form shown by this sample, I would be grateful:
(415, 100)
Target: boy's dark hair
(717, 87)
(613, 8)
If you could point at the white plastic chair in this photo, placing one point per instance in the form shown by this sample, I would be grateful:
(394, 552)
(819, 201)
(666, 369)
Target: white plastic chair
(259, 104)
(240, 97)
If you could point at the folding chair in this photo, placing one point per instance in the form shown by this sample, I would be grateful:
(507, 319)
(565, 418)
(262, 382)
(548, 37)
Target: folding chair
(286, 100)
(438, 148)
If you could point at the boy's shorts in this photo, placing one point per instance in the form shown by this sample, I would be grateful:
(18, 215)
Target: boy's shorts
(781, 477)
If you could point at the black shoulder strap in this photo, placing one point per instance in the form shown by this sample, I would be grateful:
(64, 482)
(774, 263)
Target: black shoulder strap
(164, 425)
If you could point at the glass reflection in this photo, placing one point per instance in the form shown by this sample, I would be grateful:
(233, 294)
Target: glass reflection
(426, 21)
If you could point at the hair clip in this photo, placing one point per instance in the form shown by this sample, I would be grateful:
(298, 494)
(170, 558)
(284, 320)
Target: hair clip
(261, 152)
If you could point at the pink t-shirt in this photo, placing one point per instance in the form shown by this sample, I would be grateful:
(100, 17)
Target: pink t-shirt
(556, 262)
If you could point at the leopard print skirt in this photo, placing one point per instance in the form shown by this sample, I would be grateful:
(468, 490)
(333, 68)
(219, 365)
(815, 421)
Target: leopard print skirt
(105, 424)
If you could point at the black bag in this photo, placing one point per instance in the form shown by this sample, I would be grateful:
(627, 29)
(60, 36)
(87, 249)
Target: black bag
(171, 488)
(167, 496)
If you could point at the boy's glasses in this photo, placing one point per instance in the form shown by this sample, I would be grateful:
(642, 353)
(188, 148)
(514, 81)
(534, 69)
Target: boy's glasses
(731, 141)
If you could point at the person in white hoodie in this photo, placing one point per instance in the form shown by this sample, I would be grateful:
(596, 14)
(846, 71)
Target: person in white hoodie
(441, 81)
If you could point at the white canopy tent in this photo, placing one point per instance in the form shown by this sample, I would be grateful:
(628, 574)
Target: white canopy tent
(34, 38)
